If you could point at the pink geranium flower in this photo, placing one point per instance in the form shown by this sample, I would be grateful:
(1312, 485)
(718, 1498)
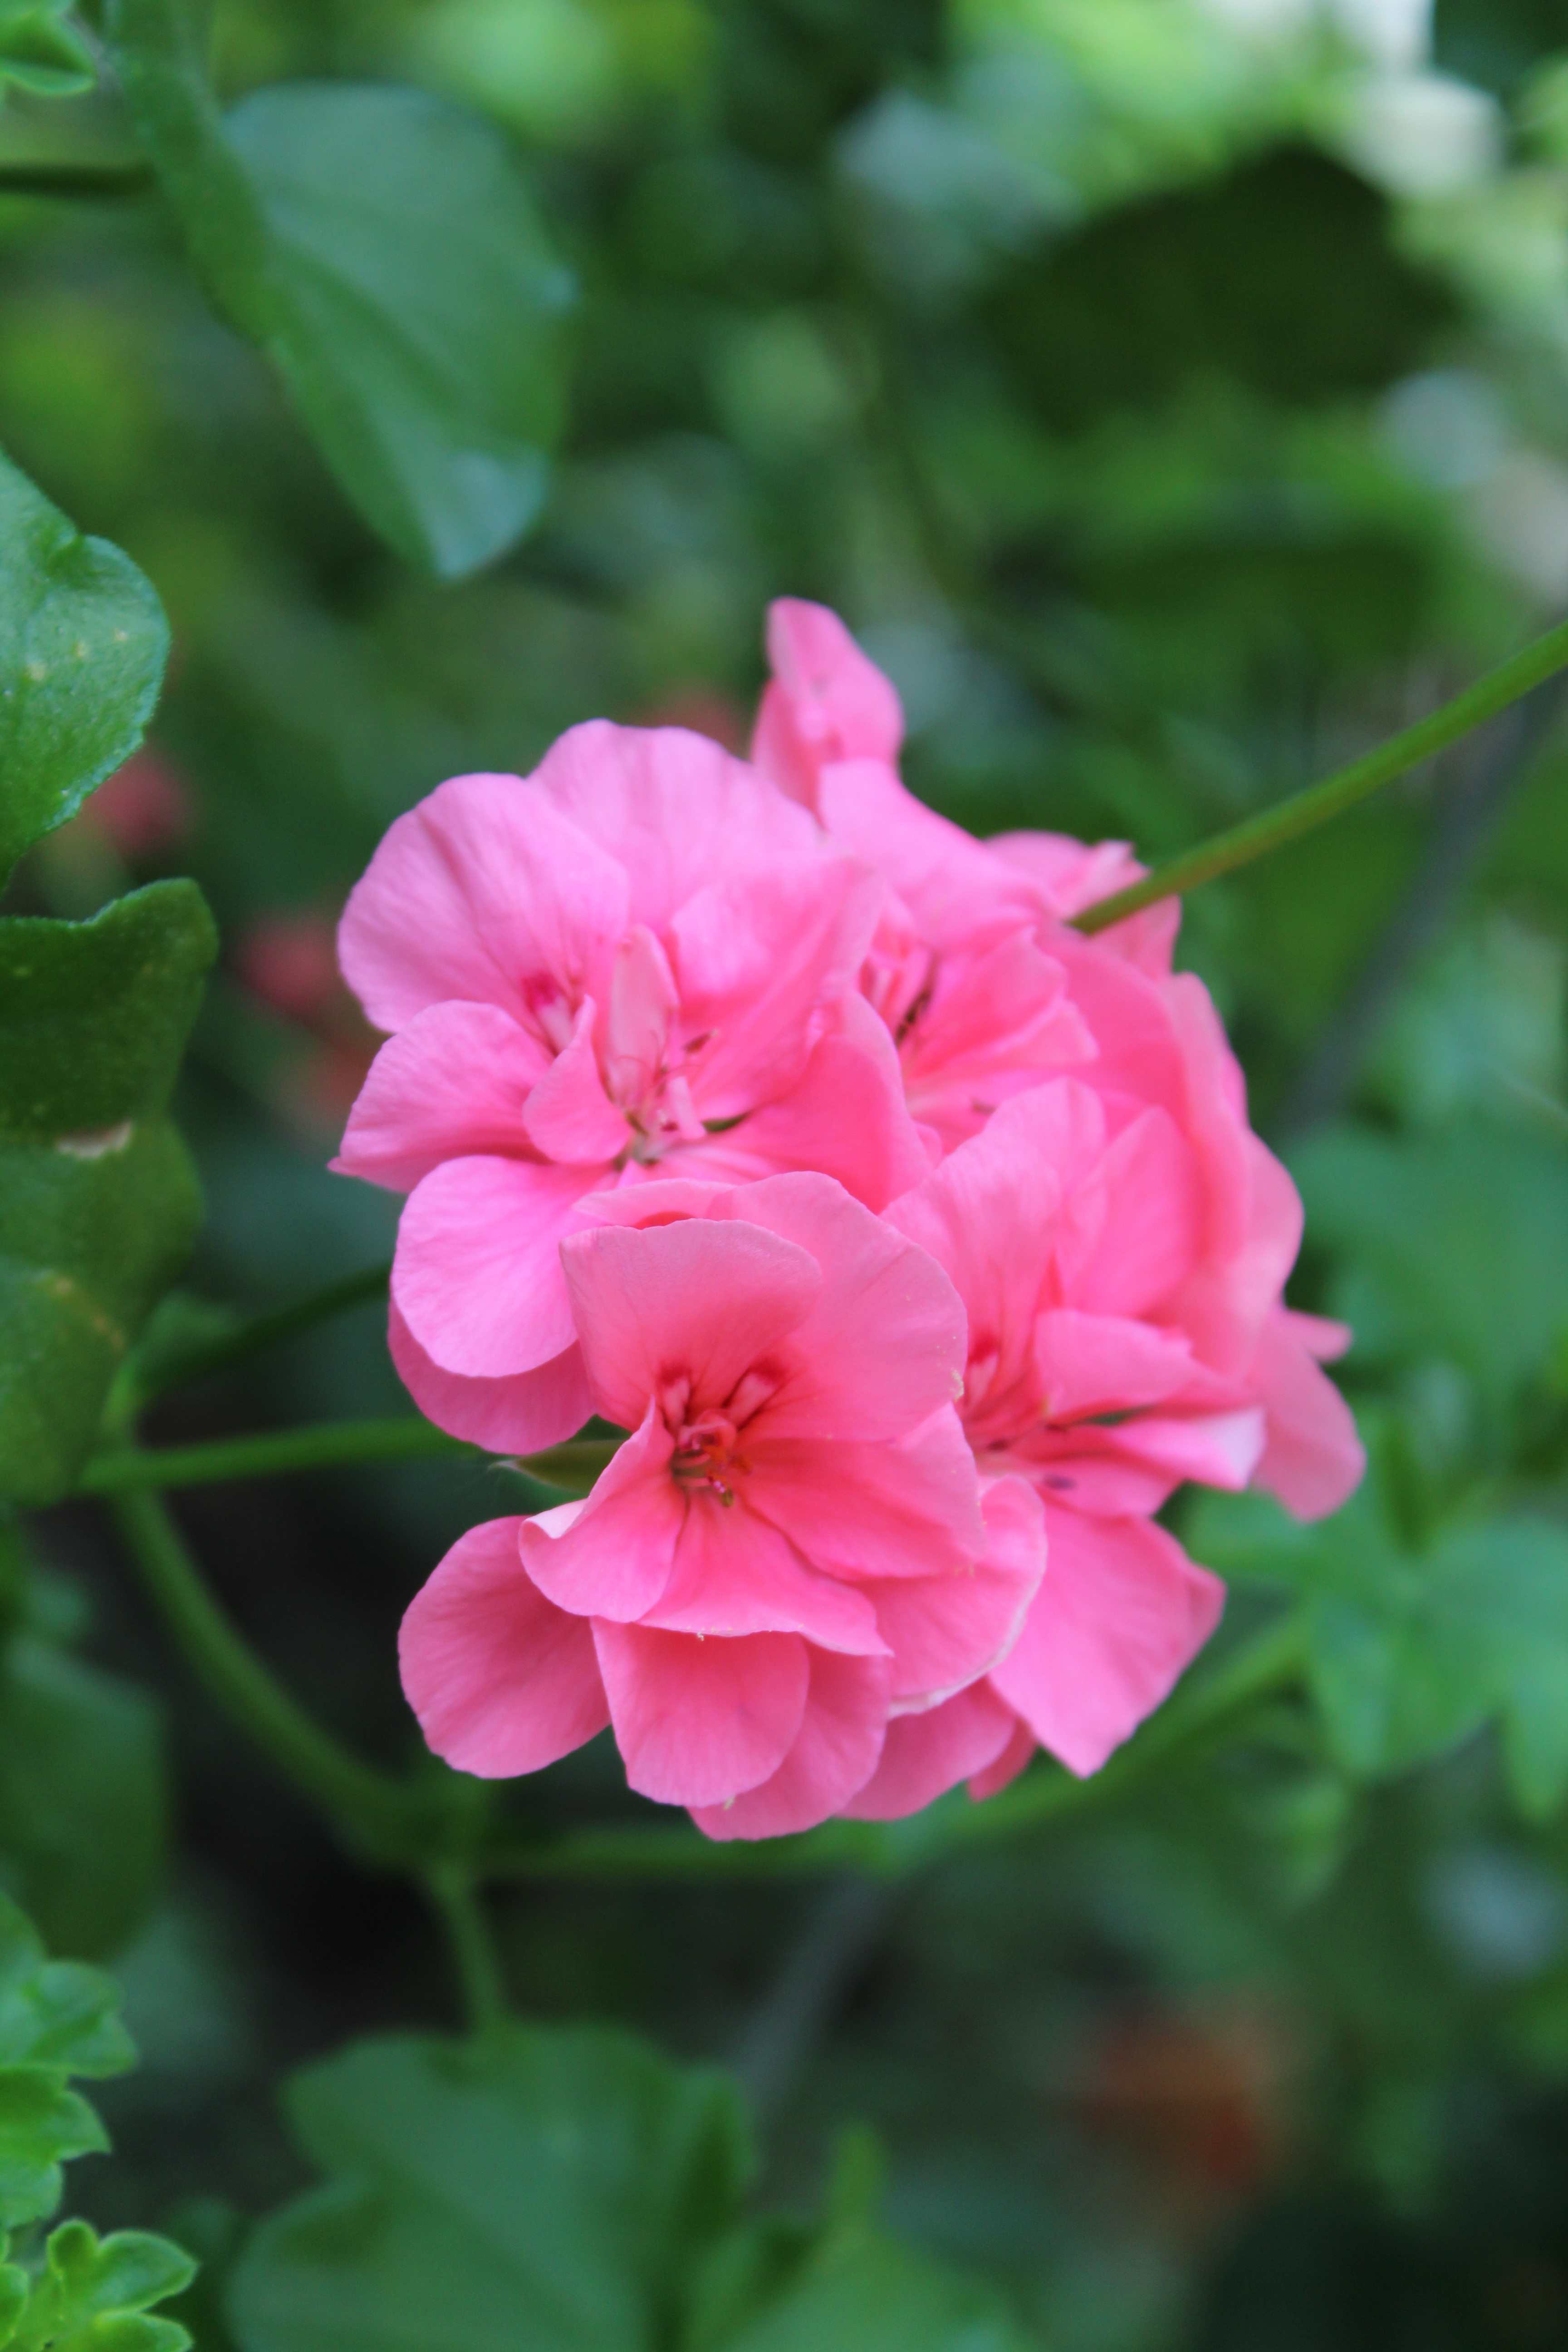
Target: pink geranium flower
(1078, 1230)
(790, 1551)
(641, 957)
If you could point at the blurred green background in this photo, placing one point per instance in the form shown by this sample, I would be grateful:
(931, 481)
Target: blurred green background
(1173, 395)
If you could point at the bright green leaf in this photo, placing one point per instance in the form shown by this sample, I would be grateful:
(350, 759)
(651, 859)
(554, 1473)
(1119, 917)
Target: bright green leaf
(95, 2294)
(57, 2018)
(98, 1200)
(40, 52)
(82, 647)
(380, 247)
(861, 2292)
(545, 2191)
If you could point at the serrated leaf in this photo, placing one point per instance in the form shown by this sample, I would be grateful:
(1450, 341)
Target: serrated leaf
(94, 2295)
(40, 52)
(98, 1200)
(543, 2190)
(42, 2125)
(55, 2014)
(566, 2191)
(381, 246)
(83, 641)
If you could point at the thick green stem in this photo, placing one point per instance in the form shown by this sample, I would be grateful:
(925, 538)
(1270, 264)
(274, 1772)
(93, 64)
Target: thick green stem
(460, 1909)
(325, 1445)
(377, 1811)
(1304, 811)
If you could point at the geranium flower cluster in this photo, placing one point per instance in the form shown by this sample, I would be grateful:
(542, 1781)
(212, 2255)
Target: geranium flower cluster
(920, 1243)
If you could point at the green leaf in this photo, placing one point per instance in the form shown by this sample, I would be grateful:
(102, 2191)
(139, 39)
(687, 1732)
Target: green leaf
(94, 2295)
(381, 246)
(98, 1200)
(568, 2191)
(82, 647)
(543, 2190)
(83, 1795)
(1413, 1649)
(40, 52)
(1486, 1208)
(57, 2018)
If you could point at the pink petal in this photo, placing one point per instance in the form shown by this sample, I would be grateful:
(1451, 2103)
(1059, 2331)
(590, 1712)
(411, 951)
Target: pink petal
(614, 1556)
(883, 1345)
(1218, 1449)
(1313, 1458)
(925, 1755)
(758, 955)
(846, 1117)
(1105, 1363)
(701, 1300)
(1007, 1766)
(451, 1086)
(1072, 874)
(997, 1023)
(855, 1509)
(674, 810)
(735, 1574)
(1136, 1223)
(520, 1414)
(569, 1116)
(1121, 1612)
(953, 887)
(698, 1722)
(944, 1632)
(502, 1682)
(476, 1276)
(825, 701)
(835, 1753)
(480, 888)
(643, 1003)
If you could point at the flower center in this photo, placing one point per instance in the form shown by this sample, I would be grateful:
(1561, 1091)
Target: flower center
(708, 1455)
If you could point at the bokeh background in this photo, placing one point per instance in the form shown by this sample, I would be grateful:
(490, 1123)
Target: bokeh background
(1174, 396)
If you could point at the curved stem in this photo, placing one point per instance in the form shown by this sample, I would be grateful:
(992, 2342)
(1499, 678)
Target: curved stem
(460, 1909)
(377, 1811)
(1304, 811)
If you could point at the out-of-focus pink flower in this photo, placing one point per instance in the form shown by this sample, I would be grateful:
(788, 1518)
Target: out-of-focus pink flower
(642, 958)
(144, 806)
(289, 960)
(789, 1552)
(1121, 1275)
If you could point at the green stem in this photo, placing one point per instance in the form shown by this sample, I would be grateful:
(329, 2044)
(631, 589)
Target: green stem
(62, 179)
(1202, 1711)
(1494, 692)
(460, 1909)
(324, 1445)
(332, 1444)
(269, 1330)
(377, 1811)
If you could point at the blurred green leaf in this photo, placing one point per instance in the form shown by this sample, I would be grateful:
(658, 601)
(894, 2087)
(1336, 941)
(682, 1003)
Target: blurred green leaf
(95, 2294)
(1455, 1243)
(57, 2018)
(1412, 1650)
(40, 52)
(98, 1200)
(565, 2191)
(380, 247)
(83, 1795)
(82, 647)
(543, 2190)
